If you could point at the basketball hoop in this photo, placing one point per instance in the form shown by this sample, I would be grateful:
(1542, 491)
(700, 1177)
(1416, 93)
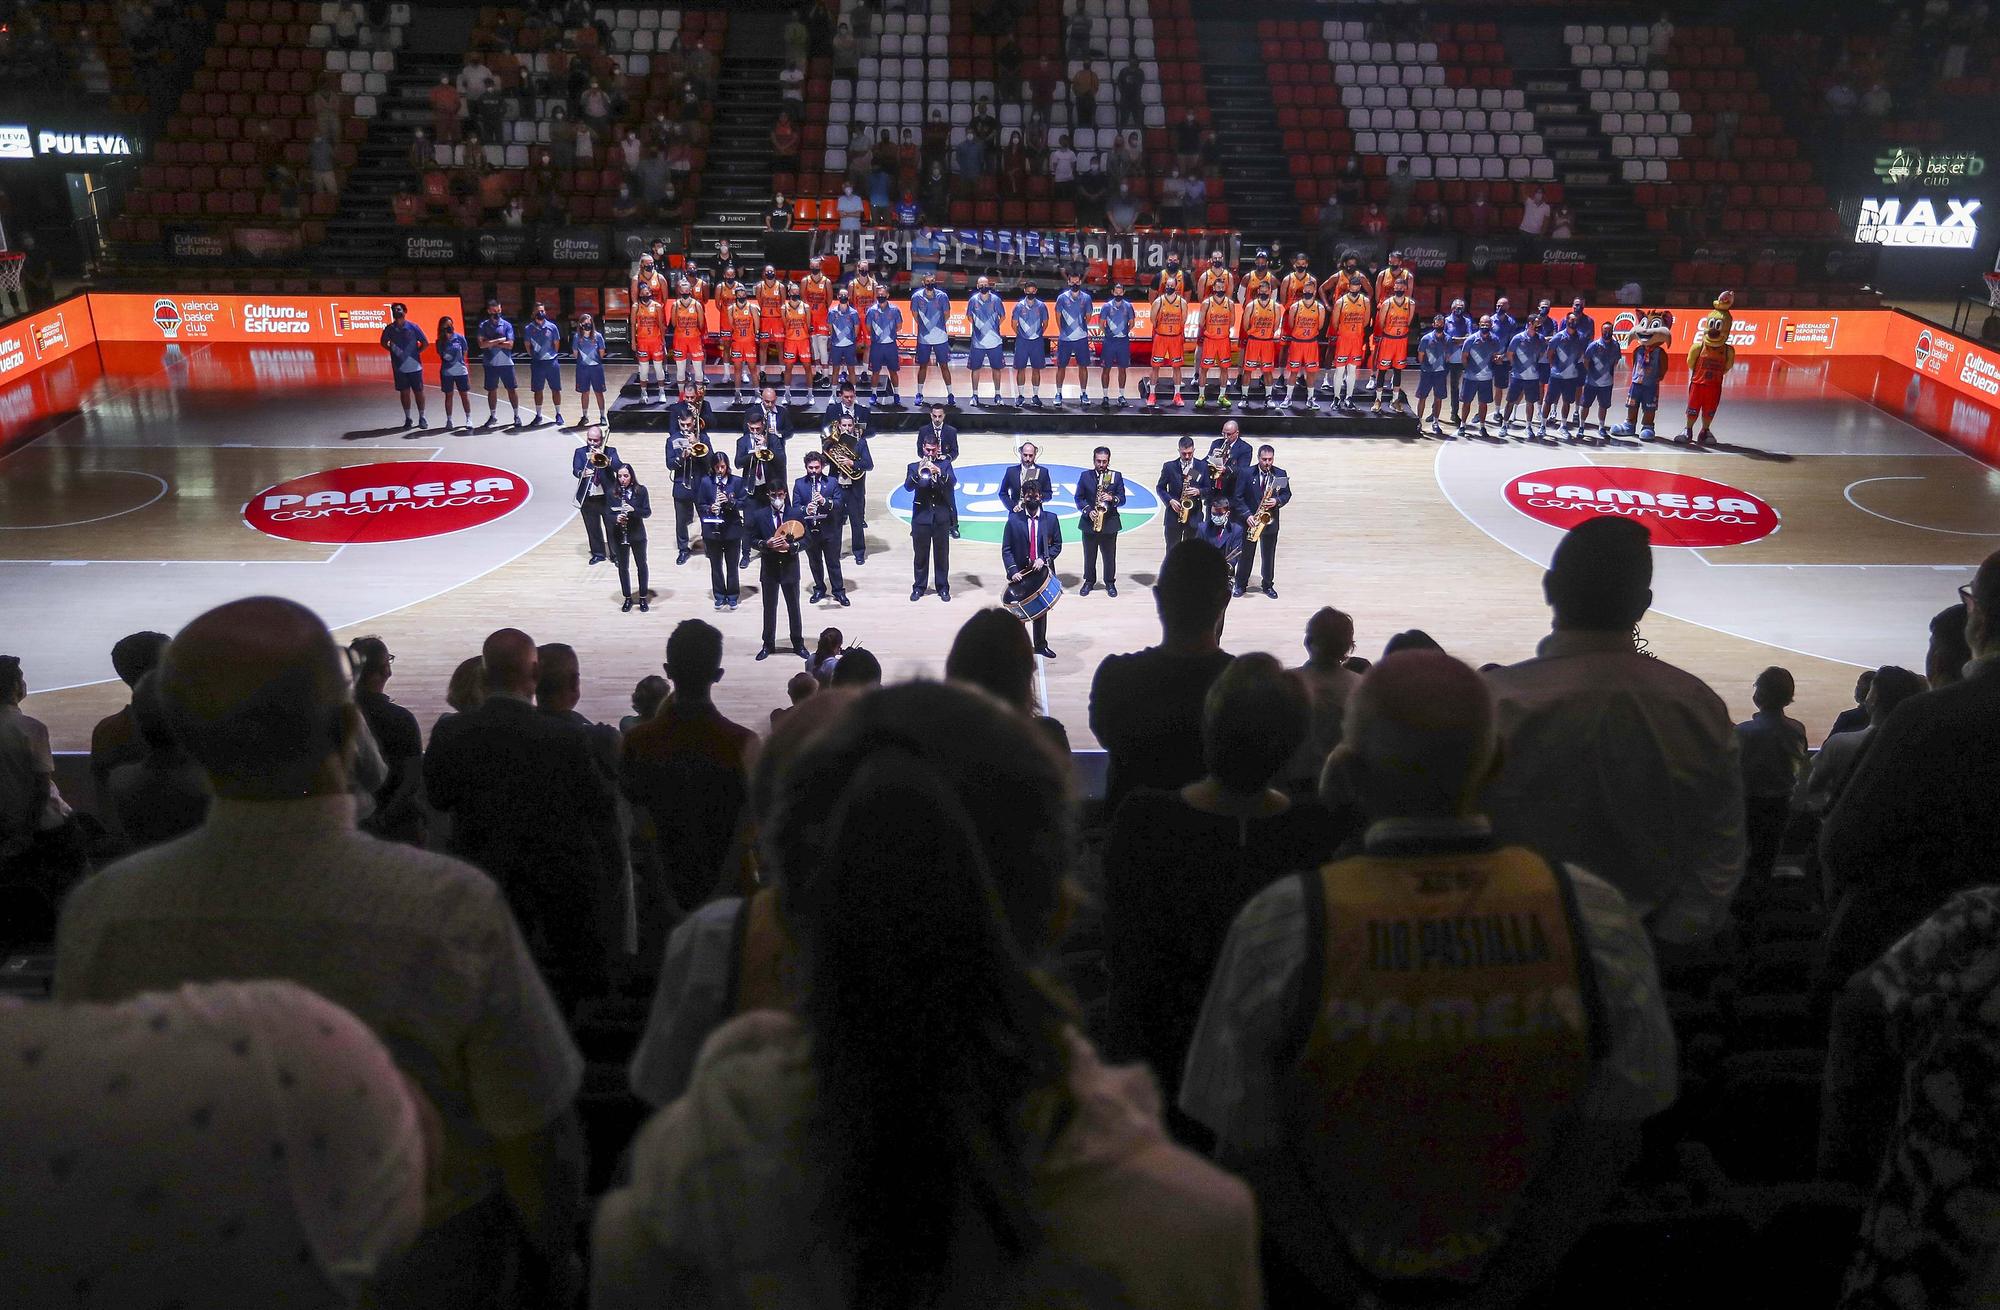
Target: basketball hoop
(11, 262)
(1993, 290)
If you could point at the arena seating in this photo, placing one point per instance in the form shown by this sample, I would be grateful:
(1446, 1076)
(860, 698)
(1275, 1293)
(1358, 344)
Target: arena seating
(90, 35)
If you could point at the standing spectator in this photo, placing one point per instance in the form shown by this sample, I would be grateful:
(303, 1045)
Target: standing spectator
(1833, 766)
(398, 815)
(1772, 749)
(937, 140)
(422, 157)
(1479, 215)
(1014, 168)
(530, 804)
(596, 108)
(1660, 39)
(1062, 168)
(1146, 707)
(1043, 80)
(630, 148)
(1373, 221)
(1131, 90)
(1173, 199)
(1187, 143)
(319, 158)
(970, 157)
(1402, 187)
(1918, 822)
(1084, 85)
(688, 767)
(846, 52)
(1121, 212)
(1591, 722)
(330, 113)
(347, 25)
(115, 739)
(998, 657)
(474, 77)
(936, 195)
(1562, 224)
(849, 207)
(1128, 158)
(1436, 218)
(1535, 213)
(985, 128)
(1092, 190)
(792, 90)
(278, 884)
(778, 218)
(1194, 199)
(1180, 864)
(1383, 1166)
(1007, 68)
(798, 37)
(1329, 683)
(1077, 47)
(1856, 716)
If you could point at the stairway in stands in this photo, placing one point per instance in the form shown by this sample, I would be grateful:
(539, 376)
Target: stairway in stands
(736, 188)
(1257, 182)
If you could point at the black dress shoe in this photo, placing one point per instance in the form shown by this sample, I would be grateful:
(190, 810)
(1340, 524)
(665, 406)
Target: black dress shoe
(943, 594)
(626, 608)
(1235, 591)
(1086, 588)
(800, 651)
(643, 607)
(1270, 591)
(860, 557)
(597, 559)
(816, 595)
(1045, 652)
(764, 653)
(683, 556)
(916, 593)
(841, 597)
(1111, 590)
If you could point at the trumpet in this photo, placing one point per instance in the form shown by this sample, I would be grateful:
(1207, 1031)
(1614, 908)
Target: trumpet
(927, 469)
(763, 454)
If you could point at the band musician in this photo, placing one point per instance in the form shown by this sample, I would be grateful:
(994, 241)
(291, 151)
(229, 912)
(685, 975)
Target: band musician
(777, 564)
(1266, 489)
(819, 501)
(848, 456)
(719, 498)
(1219, 528)
(1028, 550)
(760, 459)
(689, 421)
(1182, 506)
(594, 465)
(1015, 482)
(1099, 493)
(1236, 452)
(933, 519)
(946, 437)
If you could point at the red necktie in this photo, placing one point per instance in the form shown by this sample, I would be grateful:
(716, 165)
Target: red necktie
(1034, 539)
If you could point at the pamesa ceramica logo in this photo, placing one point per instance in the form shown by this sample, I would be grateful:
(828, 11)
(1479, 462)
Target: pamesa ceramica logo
(982, 516)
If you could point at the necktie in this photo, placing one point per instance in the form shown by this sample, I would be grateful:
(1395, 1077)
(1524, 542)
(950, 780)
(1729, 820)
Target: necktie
(1034, 539)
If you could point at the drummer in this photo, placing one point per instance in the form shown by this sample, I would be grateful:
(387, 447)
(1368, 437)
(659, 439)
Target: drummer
(1028, 551)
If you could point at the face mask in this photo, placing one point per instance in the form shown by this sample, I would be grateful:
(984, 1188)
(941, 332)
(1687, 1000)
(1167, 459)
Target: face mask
(1219, 519)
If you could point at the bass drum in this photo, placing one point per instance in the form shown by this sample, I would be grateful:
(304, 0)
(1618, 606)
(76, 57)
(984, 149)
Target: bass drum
(1039, 601)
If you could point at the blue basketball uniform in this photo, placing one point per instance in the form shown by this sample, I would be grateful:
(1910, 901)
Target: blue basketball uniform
(985, 312)
(932, 309)
(1116, 318)
(499, 360)
(544, 341)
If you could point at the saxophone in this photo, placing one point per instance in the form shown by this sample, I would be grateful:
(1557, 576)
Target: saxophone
(1190, 495)
(1265, 511)
(1105, 486)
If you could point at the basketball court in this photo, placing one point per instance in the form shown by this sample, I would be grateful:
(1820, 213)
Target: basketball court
(143, 482)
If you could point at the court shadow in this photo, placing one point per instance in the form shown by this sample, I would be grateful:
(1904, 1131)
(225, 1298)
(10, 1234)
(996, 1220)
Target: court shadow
(369, 434)
(1489, 438)
(1620, 443)
(1147, 580)
(1751, 452)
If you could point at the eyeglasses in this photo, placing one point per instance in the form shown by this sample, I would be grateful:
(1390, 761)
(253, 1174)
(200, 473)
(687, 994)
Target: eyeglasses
(1965, 594)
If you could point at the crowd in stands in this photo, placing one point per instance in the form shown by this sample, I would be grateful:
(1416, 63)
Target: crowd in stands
(1434, 978)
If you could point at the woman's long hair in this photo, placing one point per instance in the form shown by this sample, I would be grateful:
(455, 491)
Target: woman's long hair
(935, 825)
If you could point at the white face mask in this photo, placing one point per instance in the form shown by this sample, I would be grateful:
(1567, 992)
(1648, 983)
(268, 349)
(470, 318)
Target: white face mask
(1219, 518)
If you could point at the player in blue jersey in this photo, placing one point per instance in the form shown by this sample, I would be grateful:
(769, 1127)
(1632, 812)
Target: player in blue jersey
(1600, 369)
(453, 375)
(1482, 355)
(405, 343)
(1506, 327)
(1434, 352)
(544, 368)
(1458, 325)
(885, 324)
(1525, 355)
(1115, 351)
(1031, 348)
(496, 355)
(931, 307)
(1073, 309)
(985, 315)
(1565, 368)
(843, 333)
(588, 343)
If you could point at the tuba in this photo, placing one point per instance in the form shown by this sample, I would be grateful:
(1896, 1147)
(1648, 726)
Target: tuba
(834, 442)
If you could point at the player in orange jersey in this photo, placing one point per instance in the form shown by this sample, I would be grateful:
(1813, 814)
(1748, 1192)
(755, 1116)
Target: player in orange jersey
(649, 340)
(745, 326)
(1170, 316)
(1393, 272)
(690, 319)
(861, 294)
(796, 317)
(1173, 278)
(1218, 328)
(1351, 314)
(1295, 282)
(1261, 275)
(1263, 321)
(1392, 343)
(648, 274)
(1216, 275)
(770, 293)
(1305, 322)
(816, 289)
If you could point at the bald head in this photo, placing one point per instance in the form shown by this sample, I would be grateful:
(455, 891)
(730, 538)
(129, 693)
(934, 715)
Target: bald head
(1419, 738)
(257, 692)
(511, 663)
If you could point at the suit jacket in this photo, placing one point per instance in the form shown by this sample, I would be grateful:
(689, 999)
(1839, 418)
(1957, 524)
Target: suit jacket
(761, 522)
(1241, 456)
(728, 524)
(947, 441)
(1250, 493)
(864, 417)
(1010, 486)
(930, 498)
(778, 422)
(686, 471)
(1014, 552)
(830, 492)
(1086, 501)
(605, 478)
(642, 509)
(1171, 483)
(750, 469)
(531, 805)
(1228, 538)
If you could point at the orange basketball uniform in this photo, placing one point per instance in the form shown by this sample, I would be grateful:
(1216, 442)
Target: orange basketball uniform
(798, 320)
(861, 294)
(816, 289)
(1174, 280)
(1392, 331)
(653, 280)
(1169, 329)
(1261, 321)
(1350, 328)
(1255, 281)
(690, 327)
(1214, 281)
(744, 321)
(1385, 281)
(1218, 319)
(649, 329)
(1294, 286)
(1303, 323)
(770, 302)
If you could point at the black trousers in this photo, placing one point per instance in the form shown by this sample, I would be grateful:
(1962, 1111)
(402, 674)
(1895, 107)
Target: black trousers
(1452, 373)
(625, 554)
(1105, 544)
(723, 559)
(854, 497)
(1040, 627)
(932, 547)
(1176, 530)
(1266, 551)
(593, 522)
(683, 520)
(823, 552)
(778, 573)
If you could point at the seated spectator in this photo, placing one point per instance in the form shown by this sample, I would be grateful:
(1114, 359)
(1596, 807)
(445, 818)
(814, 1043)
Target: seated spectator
(1373, 221)
(1631, 293)
(1062, 168)
(858, 669)
(647, 696)
(406, 206)
(1855, 716)
(686, 751)
(937, 140)
(826, 655)
(1410, 639)
(1092, 190)
(785, 142)
(1121, 212)
(116, 740)
(1950, 649)
(1428, 1160)
(397, 815)
(1194, 200)
(624, 206)
(1436, 219)
(1180, 864)
(1562, 225)
(1173, 199)
(1833, 767)
(162, 793)
(1479, 214)
(888, 1158)
(421, 948)
(993, 652)
(630, 148)
(1146, 707)
(1772, 749)
(41, 845)
(799, 686)
(1591, 722)
(290, 1178)
(1917, 823)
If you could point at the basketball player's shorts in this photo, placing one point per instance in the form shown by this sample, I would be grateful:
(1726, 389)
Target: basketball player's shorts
(1349, 348)
(1432, 384)
(798, 350)
(545, 374)
(1302, 354)
(1260, 353)
(742, 349)
(685, 348)
(1704, 397)
(1214, 351)
(1391, 352)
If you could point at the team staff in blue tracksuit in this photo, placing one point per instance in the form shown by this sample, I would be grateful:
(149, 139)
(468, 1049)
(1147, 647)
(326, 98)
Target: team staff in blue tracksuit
(405, 343)
(1482, 354)
(931, 307)
(1115, 351)
(985, 315)
(1434, 370)
(1600, 370)
(1458, 326)
(588, 343)
(1031, 347)
(544, 345)
(1073, 309)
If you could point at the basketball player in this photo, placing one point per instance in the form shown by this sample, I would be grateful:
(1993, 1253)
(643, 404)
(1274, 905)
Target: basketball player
(1173, 278)
(1031, 348)
(1482, 355)
(544, 345)
(690, 340)
(1392, 344)
(1115, 350)
(1216, 275)
(1434, 372)
(1295, 282)
(796, 316)
(1393, 272)
(816, 289)
(1218, 327)
(985, 313)
(1351, 315)
(648, 274)
(1262, 321)
(1565, 367)
(745, 326)
(496, 351)
(885, 325)
(1216, 280)
(1600, 368)
(861, 288)
(931, 308)
(843, 327)
(1709, 362)
(1261, 275)
(770, 291)
(588, 343)
(1305, 323)
(1170, 310)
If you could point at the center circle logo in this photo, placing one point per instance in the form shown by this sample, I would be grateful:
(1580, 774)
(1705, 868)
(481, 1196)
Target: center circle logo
(401, 500)
(1676, 509)
(981, 516)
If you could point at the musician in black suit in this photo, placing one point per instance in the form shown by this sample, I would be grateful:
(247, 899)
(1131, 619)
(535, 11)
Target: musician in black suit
(1100, 481)
(778, 423)
(1015, 481)
(687, 471)
(846, 406)
(854, 480)
(1238, 456)
(932, 486)
(757, 436)
(1219, 528)
(1028, 550)
(777, 566)
(947, 439)
(818, 498)
(1174, 476)
(593, 486)
(625, 519)
(719, 498)
(1264, 484)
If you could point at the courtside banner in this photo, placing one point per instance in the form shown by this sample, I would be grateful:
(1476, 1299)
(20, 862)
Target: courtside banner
(44, 337)
(256, 320)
